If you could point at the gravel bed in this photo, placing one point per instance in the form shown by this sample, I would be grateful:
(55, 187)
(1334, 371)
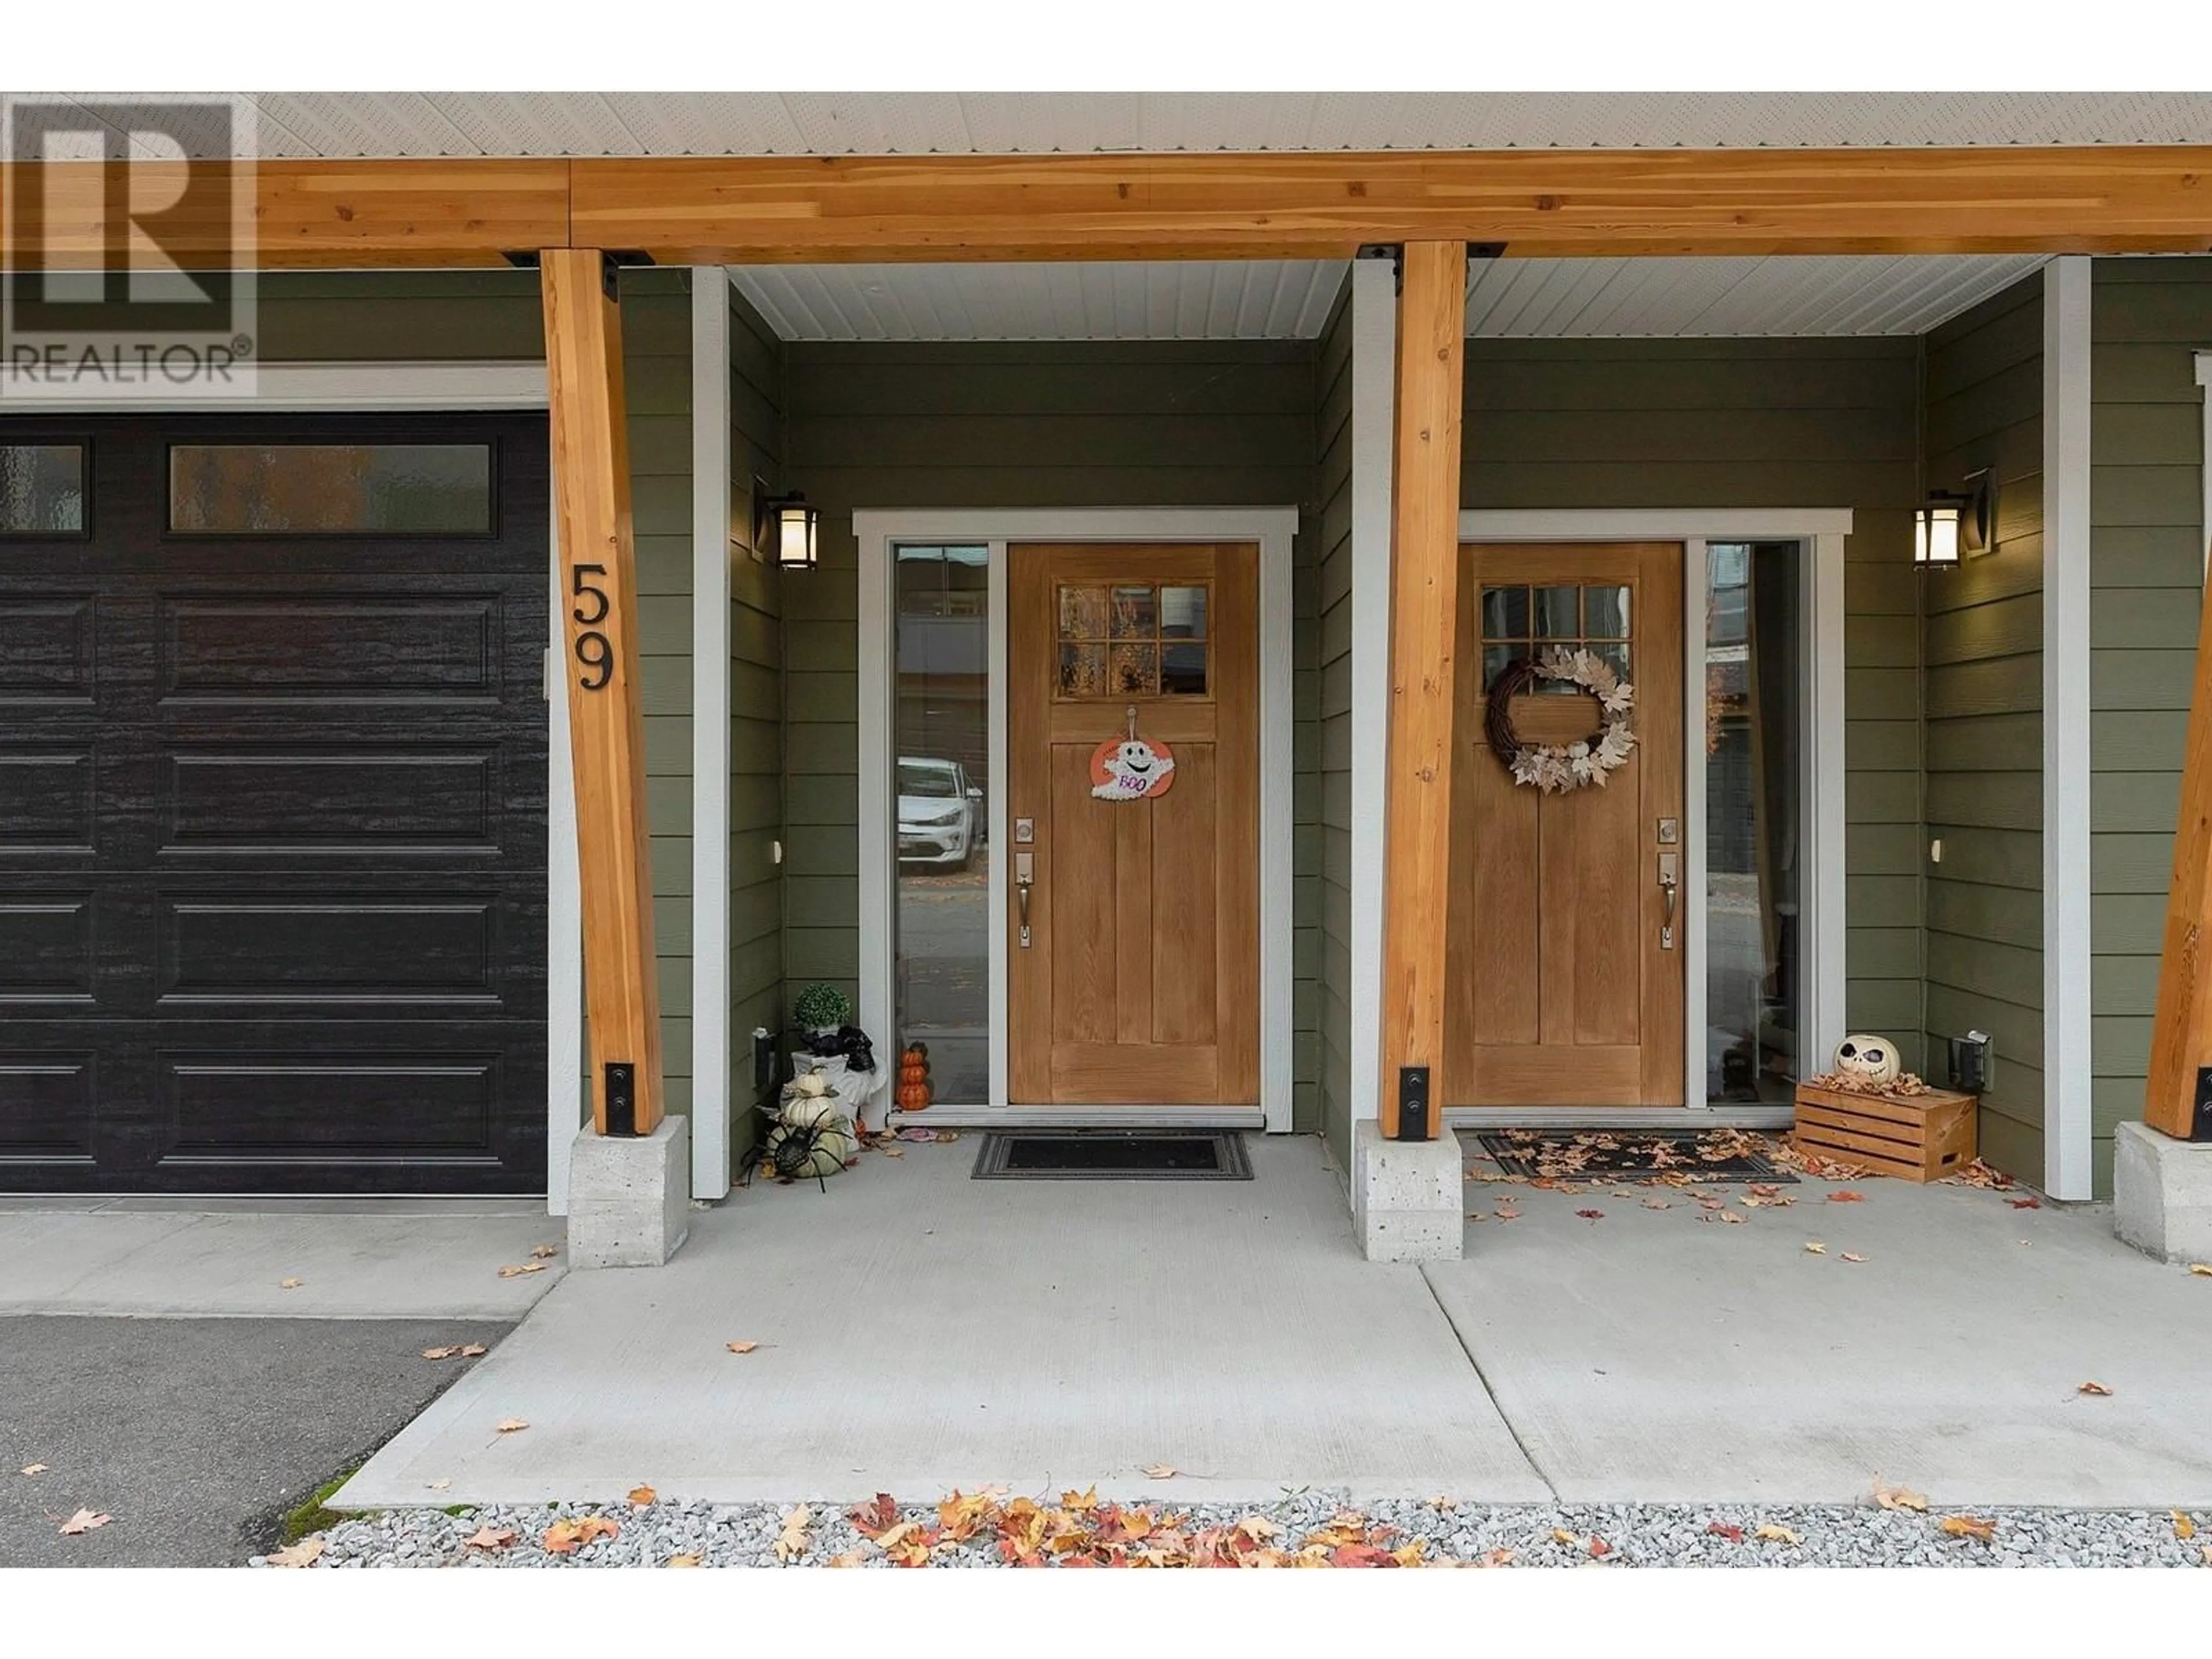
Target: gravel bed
(1644, 1534)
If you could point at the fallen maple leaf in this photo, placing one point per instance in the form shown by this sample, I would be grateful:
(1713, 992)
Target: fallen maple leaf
(1968, 1526)
(1657, 1203)
(1814, 1246)
(1851, 1255)
(1846, 1195)
(441, 1354)
(1731, 1216)
(894, 1151)
(876, 1517)
(289, 1284)
(684, 1560)
(510, 1424)
(1899, 1497)
(545, 1252)
(1723, 1530)
(473, 1351)
(1497, 1558)
(32, 1468)
(1598, 1546)
(642, 1496)
(84, 1521)
(2202, 1269)
(2092, 1388)
(2184, 1528)
(438, 1485)
(515, 1270)
(2027, 1203)
(1160, 1471)
(1441, 1502)
(1769, 1532)
(567, 1537)
(302, 1554)
(793, 1541)
(489, 1537)
(849, 1559)
(1591, 1215)
(741, 1347)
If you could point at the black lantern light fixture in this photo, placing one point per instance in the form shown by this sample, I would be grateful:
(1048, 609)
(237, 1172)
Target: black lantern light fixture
(1951, 522)
(787, 527)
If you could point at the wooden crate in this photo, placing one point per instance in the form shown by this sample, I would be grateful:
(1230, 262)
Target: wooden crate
(1915, 1137)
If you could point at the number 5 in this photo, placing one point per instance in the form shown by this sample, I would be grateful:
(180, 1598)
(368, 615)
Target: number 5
(581, 588)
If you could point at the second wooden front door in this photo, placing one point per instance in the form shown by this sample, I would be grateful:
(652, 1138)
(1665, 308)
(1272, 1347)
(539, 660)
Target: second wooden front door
(1565, 962)
(1138, 981)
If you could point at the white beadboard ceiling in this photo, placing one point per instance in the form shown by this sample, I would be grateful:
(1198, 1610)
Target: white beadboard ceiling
(401, 124)
(1289, 300)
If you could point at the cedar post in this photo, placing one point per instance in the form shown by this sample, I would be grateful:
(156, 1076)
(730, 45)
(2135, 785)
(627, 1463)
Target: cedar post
(606, 725)
(1424, 616)
(2181, 1034)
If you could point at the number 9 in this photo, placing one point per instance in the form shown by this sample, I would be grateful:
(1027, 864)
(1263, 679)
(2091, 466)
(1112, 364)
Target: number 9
(594, 652)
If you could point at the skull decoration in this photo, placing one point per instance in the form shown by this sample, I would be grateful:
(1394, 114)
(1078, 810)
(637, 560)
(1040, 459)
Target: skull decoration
(1869, 1059)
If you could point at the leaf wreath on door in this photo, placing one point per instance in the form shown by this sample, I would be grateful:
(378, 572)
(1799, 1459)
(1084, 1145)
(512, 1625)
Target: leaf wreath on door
(1130, 766)
(1558, 767)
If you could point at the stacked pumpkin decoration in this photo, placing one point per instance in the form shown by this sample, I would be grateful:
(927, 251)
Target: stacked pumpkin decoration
(914, 1092)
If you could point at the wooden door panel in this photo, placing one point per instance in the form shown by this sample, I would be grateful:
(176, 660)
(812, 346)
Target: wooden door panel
(1560, 991)
(1140, 983)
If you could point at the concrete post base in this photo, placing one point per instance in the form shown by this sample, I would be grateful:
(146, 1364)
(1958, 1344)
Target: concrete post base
(1408, 1196)
(629, 1196)
(2162, 1194)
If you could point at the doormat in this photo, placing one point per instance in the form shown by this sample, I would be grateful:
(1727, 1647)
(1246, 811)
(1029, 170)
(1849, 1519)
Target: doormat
(1630, 1155)
(1111, 1155)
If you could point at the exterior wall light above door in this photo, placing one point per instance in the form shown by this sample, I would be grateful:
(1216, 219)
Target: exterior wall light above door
(789, 529)
(1950, 523)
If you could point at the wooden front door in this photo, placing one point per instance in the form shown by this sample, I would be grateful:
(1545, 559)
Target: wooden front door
(1139, 982)
(1564, 971)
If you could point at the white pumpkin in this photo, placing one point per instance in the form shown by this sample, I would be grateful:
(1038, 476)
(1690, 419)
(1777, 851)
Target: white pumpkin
(833, 1146)
(813, 1084)
(1871, 1060)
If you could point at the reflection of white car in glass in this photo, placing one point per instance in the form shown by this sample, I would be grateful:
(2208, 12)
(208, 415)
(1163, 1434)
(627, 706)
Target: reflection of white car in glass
(940, 813)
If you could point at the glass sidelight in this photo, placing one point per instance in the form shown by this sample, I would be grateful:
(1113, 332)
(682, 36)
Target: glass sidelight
(1755, 883)
(941, 742)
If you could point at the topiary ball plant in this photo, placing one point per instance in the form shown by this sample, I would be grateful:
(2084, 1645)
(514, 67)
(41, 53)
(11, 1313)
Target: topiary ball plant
(822, 1007)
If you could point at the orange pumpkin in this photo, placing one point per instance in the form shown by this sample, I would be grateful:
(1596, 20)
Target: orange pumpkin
(913, 1096)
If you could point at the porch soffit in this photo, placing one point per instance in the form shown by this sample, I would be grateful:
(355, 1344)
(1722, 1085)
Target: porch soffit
(623, 124)
(1291, 299)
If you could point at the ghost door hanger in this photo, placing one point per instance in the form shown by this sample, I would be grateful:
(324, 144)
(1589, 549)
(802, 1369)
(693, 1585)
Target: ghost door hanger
(1131, 767)
(1133, 755)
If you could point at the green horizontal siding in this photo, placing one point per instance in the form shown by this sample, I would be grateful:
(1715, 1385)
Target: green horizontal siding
(1332, 445)
(2148, 319)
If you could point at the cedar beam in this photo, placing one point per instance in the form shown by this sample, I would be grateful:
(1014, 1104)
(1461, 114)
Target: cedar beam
(1424, 616)
(606, 726)
(2181, 1030)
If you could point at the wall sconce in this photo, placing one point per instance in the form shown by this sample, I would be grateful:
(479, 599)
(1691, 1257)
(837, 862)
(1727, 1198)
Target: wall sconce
(788, 528)
(1948, 523)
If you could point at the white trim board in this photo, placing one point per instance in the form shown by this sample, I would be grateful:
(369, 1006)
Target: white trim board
(2205, 522)
(1821, 532)
(710, 732)
(1374, 417)
(472, 386)
(348, 388)
(2068, 1123)
(876, 530)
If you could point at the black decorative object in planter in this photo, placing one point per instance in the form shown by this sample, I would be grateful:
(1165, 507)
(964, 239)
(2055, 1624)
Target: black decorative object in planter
(849, 1040)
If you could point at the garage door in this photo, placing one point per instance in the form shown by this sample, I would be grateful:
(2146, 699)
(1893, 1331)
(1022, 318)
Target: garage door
(272, 804)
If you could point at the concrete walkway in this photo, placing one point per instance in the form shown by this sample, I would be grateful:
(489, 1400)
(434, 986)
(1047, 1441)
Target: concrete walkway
(202, 1257)
(920, 1332)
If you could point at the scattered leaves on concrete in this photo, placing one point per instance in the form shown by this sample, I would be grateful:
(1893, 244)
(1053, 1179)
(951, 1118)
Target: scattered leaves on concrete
(1723, 1530)
(2202, 1269)
(289, 1284)
(1814, 1246)
(1899, 1497)
(2096, 1388)
(84, 1521)
(32, 1468)
(473, 1351)
(516, 1269)
(2027, 1203)
(566, 1537)
(1853, 1255)
(794, 1540)
(302, 1554)
(1968, 1526)
(544, 1252)
(1847, 1195)
(445, 1352)
(1160, 1471)
(642, 1496)
(894, 1151)
(1770, 1533)
(741, 1347)
(1658, 1204)
(512, 1424)
(1507, 1211)
(1591, 1215)
(877, 1515)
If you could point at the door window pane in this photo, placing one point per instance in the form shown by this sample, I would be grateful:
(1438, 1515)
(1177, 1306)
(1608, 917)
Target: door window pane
(1753, 881)
(1557, 617)
(330, 490)
(942, 732)
(1605, 613)
(1505, 613)
(1132, 640)
(41, 489)
(1183, 613)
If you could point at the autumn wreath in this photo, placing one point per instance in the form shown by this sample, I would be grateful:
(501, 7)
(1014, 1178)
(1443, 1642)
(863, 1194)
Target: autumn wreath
(1557, 768)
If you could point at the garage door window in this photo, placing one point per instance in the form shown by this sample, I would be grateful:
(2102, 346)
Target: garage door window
(330, 490)
(41, 489)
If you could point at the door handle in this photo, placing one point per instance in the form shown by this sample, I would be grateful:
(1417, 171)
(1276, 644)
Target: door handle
(1024, 877)
(1669, 884)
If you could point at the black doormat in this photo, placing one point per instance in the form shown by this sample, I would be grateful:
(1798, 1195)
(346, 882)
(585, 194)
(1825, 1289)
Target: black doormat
(1630, 1155)
(1111, 1155)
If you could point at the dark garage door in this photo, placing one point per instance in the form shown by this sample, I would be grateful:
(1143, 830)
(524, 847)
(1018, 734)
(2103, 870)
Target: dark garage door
(272, 804)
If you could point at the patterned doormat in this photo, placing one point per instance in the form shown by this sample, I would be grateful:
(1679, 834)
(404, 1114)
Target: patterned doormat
(1630, 1155)
(1111, 1155)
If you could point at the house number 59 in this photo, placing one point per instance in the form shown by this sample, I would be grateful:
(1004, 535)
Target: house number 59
(594, 651)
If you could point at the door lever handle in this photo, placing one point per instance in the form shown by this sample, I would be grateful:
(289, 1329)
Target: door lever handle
(1670, 865)
(1024, 877)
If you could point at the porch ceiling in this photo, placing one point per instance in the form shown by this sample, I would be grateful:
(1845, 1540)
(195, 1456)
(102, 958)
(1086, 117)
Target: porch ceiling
(546, 124)
(1284, 300)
